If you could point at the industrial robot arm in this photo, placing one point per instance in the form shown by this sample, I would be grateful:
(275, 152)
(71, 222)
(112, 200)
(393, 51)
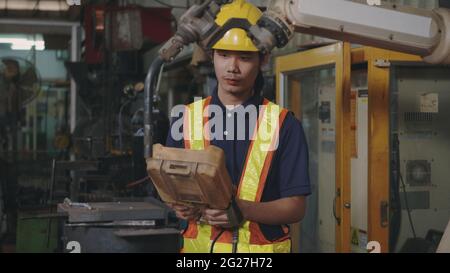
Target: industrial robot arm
(196, 25)
(415, 31)
(405, 29)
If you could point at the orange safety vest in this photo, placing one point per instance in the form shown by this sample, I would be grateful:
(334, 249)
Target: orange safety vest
(198, 236)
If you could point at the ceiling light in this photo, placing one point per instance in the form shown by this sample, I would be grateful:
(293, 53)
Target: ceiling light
(23, 43)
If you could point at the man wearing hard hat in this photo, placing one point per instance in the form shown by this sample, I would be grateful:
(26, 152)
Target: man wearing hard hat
(271, 183)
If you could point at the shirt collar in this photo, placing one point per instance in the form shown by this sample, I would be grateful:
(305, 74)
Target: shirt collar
(255, 100)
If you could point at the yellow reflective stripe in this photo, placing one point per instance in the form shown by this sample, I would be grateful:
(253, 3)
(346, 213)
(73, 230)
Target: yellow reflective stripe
(202, 243)
(277, 247)
(195, 120)
(259, 150)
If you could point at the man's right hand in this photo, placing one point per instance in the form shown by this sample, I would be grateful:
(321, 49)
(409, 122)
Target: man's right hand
(186, 213)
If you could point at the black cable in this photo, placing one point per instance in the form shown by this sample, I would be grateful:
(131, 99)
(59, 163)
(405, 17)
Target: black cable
(36, 5)
(215, 240)
(407, 206)
(396, 148)
(46, 111)
(36, 8)
(235, 239)
(121, 123)
(394, 190)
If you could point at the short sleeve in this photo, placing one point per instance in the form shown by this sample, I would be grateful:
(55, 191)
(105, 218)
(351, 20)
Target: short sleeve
(293, 159)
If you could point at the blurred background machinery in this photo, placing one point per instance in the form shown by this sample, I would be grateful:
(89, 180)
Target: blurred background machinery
(99, 158)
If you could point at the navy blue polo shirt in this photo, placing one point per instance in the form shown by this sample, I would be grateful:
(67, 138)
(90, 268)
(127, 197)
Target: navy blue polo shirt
(288, 175)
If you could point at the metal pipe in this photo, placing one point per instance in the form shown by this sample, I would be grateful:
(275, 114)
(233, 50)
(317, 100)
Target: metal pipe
(42, 5)
(74, 57)
(149, 94)
(51, 185)
(36, 22)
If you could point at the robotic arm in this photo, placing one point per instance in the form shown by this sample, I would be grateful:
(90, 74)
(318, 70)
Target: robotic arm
(197, 24)
(415, 31)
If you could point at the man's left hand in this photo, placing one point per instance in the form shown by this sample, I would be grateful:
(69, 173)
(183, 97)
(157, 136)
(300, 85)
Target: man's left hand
(229, 218)
(216, 217)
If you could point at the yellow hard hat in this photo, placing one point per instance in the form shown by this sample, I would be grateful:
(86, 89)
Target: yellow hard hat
(235, 18)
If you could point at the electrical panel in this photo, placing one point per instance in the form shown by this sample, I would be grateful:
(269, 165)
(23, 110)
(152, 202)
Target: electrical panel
(420, 100)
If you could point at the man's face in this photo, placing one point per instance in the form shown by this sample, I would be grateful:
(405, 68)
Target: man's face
(236, 71)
